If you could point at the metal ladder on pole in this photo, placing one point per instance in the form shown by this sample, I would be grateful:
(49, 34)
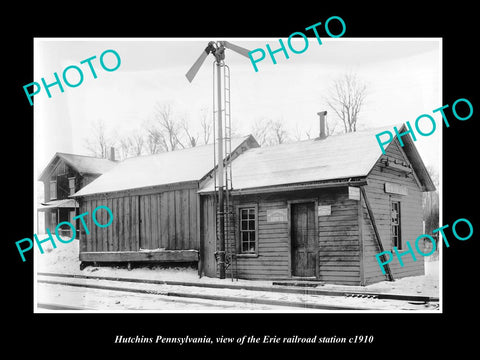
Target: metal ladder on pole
(228, 210)
(231, 257)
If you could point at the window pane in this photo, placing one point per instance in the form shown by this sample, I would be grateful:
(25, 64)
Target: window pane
(53, 190)
(395, 224)
(244, 225)
(244, 213)
(247, 230)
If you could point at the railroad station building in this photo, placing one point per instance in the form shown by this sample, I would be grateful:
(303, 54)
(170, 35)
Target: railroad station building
(317, 209)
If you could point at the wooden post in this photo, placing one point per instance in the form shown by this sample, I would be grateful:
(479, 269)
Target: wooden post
(375, 229)
(198, 237)
(360, 240)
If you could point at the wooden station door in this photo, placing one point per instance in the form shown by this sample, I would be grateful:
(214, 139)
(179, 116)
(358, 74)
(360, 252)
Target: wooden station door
(303, 239)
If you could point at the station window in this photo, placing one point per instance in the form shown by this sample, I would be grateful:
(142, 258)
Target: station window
(248, 230)
(53, 190)
(71, 185)
(396, 225)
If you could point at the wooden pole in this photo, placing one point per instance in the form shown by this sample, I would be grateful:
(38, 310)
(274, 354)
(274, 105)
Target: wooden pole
(375, 229)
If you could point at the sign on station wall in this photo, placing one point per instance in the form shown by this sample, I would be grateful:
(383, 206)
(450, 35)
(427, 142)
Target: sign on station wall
(277, 215)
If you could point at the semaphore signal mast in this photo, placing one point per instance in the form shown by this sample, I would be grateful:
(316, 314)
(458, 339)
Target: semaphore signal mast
(217, 49)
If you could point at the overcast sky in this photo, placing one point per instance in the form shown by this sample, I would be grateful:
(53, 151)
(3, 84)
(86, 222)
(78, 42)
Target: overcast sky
(403, 78)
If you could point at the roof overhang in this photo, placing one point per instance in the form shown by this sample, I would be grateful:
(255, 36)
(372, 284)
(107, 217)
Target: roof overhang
(296, 186)
(417, 164)
(144, 190)
(56, 204)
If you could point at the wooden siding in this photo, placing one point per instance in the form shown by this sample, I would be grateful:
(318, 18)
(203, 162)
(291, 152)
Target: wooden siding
(273, 260)
(411, 218)
(142, 256)
(60, 173)
(208, 236)
(338, 237)
(150, 221)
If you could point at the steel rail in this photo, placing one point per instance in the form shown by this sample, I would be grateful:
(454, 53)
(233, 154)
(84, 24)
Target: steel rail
(295, 304)
(281, 288)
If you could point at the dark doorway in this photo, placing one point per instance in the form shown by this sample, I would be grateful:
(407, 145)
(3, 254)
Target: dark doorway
(304, 249)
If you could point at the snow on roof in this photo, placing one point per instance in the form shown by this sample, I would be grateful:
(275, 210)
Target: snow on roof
(63, 203)
(81, 163)
(88, 164)
(335, 157)
(159, 169)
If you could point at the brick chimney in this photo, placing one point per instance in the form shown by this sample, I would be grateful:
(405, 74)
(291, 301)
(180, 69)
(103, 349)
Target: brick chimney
(112, 154)
(322, 115)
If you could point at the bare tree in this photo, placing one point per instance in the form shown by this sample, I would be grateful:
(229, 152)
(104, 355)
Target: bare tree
(330, 130)
(132, 145)
(155, 140)
(269, 132)
(206, 124)
(192, 139)
(169, 132)
(346, 98)
(124, 147)
(168, 127)
(301, 134)
(137, 142)
(278, 133)
(259, 131)
(99, 143)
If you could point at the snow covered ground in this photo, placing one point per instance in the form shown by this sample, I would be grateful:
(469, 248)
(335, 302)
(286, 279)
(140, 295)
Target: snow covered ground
(64, 259)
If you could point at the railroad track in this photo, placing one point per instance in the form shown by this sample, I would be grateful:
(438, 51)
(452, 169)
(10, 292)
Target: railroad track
(52, 306)
(294, 298)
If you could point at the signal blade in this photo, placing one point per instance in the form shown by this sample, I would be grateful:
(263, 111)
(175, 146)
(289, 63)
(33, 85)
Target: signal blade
(196, 66)
(236, 48)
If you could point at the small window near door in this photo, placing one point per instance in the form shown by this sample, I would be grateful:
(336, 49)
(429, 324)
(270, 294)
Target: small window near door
(71, 185)
(396, 225)
(53, 190)
(247, 230)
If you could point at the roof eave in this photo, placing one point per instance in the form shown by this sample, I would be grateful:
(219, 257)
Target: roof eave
(144, 189)
(45, 170)
(350, 181)
(418, 165)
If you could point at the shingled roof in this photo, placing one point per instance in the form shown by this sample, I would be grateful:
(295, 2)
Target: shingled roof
(165, 168)
(336, 157)
(81, 163)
